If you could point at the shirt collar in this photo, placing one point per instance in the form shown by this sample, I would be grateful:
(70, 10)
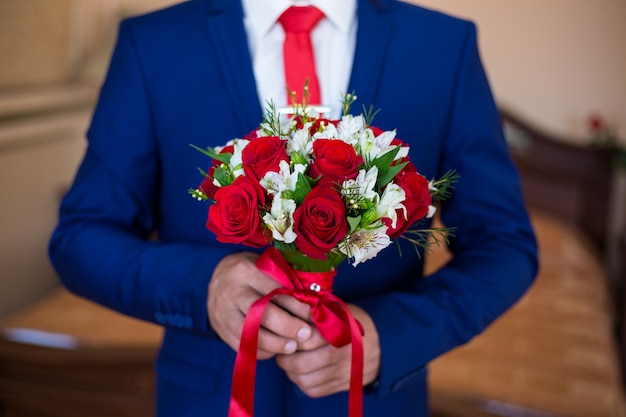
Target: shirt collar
(262, 15)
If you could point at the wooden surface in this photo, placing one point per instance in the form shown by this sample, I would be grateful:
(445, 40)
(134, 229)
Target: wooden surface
(91, 326)
(554, 352)
(622, 310)
(571, 182)
(67, 357)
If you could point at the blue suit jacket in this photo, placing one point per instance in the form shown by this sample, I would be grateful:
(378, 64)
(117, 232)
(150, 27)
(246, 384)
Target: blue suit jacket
(183, 75)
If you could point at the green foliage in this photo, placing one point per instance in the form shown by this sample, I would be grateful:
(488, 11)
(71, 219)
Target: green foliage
(301, 262)
(444, 185)
(386, 169)
(212, 153)
(346, 102)
(369, 114)
(302, 189)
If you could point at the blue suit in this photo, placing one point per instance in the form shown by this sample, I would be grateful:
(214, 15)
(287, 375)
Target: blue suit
(183, 75)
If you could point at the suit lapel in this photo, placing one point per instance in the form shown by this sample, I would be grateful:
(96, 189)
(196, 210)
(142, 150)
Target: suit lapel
(228, 39)
(373, 36)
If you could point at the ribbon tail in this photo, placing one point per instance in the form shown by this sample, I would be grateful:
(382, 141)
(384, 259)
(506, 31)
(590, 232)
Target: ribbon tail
(355, 402)
(244, 373)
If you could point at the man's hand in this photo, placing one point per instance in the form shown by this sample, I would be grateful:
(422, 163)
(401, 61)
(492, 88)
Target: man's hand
(236, 284)
(320, 369)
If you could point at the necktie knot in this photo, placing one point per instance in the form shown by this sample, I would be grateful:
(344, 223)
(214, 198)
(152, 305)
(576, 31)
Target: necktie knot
(300, 19)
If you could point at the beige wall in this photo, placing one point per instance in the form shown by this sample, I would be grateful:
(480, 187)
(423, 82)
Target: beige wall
(38, 155)
(553, 61)
(53, 54)
(47, 42)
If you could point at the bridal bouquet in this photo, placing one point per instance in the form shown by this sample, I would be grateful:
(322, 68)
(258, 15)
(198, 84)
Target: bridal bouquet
(316, 192)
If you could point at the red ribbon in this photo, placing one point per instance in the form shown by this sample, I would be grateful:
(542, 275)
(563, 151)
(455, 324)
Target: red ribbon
(328, 312)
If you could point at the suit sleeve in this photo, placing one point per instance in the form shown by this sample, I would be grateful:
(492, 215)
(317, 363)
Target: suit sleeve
(494, 246)
(101, 247)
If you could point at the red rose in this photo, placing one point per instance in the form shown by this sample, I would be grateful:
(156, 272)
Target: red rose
(234, 218)
(407, 168)
(320, 222)
(336, 159)
(263, 155)
(418, 199)
(207, 186)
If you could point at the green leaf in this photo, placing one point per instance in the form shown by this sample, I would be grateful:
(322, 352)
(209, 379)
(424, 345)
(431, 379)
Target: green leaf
(302, 189)
(212, 153)
(353, 222)
(282, 246)
(383, 163)
(301, 262)
(369, 114)
(388, 176)
(222, 176)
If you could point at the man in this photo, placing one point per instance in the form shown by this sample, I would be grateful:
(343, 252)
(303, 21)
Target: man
(198, 73)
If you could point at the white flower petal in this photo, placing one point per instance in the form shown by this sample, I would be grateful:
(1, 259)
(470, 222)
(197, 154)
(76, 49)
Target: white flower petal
(365, 244)
(236, 163)
(280, 219)
(431, 211)
(390, 201)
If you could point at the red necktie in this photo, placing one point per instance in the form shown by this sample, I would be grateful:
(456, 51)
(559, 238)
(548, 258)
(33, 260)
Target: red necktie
(298, 21)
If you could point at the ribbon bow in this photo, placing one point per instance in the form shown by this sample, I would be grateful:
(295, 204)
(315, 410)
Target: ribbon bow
(328, 312)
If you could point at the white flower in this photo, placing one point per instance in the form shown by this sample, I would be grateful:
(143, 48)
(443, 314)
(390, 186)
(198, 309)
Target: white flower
(365, 243)
(382, 144)
(431, 211)
(236, 163)
(301, 143)
(350, 129)
(263, 130)
(363, 185)
(390, 201)
(280, 219)
(278, 182)
(327, 131)
(403, 152)
(365, 144)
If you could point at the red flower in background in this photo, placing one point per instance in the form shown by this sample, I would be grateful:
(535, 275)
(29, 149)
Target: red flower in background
(596, 122)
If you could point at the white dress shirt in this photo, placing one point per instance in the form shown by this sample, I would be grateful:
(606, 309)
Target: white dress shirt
(334, 40)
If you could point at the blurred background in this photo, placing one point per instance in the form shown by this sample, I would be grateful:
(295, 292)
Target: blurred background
(553, 62)
(558, 65)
